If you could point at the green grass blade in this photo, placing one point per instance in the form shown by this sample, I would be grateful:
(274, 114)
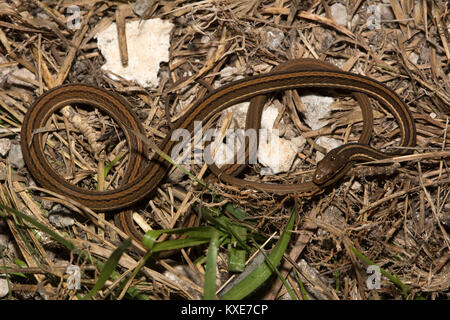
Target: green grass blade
(236, 260)
(108, 269)
(224, 224)
(133, 292)
(236, 256)
(194, 236)
(263, 271)
(149, 238)
(109, 166)
(178, 244)
(209, 289)
(164, 155)
(238, 213)
(302, 287)
(199, 232)
(394, 279)
(40, 226)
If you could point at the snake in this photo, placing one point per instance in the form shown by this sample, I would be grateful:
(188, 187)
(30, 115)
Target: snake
(143, 175)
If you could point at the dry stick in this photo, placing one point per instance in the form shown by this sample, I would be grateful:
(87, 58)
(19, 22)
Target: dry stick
(78, 38)
(31, 262)
(32, 236)
(184, 204)
(39, 55)
(421, 211)
(12, 54)
(121, 34)
(313, 17)
(441, 29)
(297, 248)
(441, 164)
(44, 73)
(80, 208)
(70, 169)
(401, 193)
(129, 263)
(413, 157)
(58, 17)
(434, 210)
(218, 55)
(101, 187)
(401, 17)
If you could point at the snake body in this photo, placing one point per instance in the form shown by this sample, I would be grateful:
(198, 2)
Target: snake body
(142, 176)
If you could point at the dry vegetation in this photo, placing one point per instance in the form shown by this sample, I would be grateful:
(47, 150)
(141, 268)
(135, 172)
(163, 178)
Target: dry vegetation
(395, 214)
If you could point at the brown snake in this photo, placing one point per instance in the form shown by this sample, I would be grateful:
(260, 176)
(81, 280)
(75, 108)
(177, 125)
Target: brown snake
(142, 176)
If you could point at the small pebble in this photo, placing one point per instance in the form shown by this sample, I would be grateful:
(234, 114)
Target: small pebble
(15, 156)
(60, 217)
(339, 13)
(3, 288)
(140, 6)
(5, 145)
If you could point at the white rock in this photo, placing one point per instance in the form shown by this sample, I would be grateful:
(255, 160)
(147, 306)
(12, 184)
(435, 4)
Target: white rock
(355, 20)
(239, 112)
(275, 153)
(268, 117)
(299, 142)
(3, 288)
(225, 152)
(328, 144)
(355, 186)
(413, 57)
(317, 107)
(5, 145)
(148, 45)
(227, 72)
(339, 13)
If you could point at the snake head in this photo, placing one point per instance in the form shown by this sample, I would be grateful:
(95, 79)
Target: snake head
(333, 162)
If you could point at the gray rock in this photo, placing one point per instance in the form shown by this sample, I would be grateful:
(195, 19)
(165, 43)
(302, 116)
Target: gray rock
(339, 13)
(61, 217)
(15, 156)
